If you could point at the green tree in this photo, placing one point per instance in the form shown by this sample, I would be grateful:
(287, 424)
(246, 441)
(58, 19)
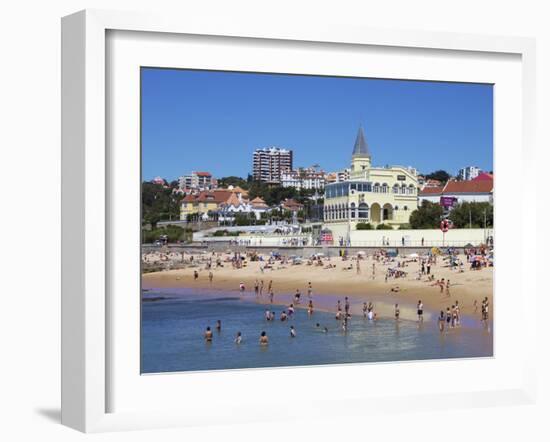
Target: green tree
(440, 175)
(158, 203)
(474, 214)
(427, 216)
(233, 181)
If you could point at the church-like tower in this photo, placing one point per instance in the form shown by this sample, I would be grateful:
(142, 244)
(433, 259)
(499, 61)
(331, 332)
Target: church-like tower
(360, 158)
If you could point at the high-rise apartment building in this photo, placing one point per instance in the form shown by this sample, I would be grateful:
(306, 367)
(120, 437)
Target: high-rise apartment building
(269, 164)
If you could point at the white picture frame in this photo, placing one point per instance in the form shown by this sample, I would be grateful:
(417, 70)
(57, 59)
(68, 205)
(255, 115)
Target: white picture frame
(86, 353)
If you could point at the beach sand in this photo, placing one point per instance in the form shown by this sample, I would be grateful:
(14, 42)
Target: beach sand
(336, 283)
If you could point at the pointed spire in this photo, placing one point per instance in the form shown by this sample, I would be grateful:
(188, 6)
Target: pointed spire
(361, 148)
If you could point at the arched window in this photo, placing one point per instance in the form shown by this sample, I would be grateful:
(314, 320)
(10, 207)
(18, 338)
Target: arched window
(396, 208)
(403, 189)
(376, 187)
(385, 188)
(395, 188)
(411, 189)
(352, 210)
(363, 211)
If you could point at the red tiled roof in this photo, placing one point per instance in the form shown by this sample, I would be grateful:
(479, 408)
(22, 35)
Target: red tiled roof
(483, 176)
(218, 196)
(481, 186)
(431, 190)
(203, 174)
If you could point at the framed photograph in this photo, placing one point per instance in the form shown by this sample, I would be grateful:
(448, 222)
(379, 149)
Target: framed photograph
(253, 211)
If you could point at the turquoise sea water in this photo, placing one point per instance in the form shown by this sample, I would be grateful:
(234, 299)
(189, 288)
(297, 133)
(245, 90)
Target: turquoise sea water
(173, 327)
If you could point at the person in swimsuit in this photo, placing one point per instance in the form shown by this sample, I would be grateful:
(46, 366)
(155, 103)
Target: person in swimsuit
(283, 316)
(292, 331)
(420, 311)
(210, 277)
(267, 315)
(256, 287)
(264, 340)
(449, 317)
(219, 325)
(396, 309)
(290, 310)
(297, 296)
(365, 308)
(346, 307)
(208, 335)
(271, 295)
(310, 307)
(309, 289)
(238, 338)
(196, 275)
(441, 321)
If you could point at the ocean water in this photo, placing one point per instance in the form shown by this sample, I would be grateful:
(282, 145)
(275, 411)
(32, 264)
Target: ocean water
(173, 326)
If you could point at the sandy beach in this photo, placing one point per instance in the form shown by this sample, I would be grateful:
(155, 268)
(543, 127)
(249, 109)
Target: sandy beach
(331, 284)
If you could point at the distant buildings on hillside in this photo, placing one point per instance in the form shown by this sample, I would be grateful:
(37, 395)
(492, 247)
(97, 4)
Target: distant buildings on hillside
(197, 181)
(269, 164)
(468, 173)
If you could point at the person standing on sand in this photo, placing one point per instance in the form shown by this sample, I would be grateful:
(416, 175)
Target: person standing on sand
(269, 286)
(310, 308)
(365, 308)
(256, 287)
(196, 275)
(428, 267)
(396, 310)
(373, 270)
(309, 289)
(358, 266)
(210, 277)
(420, 311)
(448, 288)
(261, 287)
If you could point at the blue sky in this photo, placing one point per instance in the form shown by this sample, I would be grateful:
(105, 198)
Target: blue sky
(213, 121)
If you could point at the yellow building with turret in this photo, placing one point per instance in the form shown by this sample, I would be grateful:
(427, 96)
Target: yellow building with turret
(375, 195)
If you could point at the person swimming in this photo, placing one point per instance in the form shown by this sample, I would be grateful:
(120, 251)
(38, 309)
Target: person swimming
(292, 331)
(208, 335)
(238, 338)
(264, 340)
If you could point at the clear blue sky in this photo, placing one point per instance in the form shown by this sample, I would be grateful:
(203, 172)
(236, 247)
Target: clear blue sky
(213, 121)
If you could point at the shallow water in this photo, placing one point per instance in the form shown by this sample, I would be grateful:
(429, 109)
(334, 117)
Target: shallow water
(173, 328)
